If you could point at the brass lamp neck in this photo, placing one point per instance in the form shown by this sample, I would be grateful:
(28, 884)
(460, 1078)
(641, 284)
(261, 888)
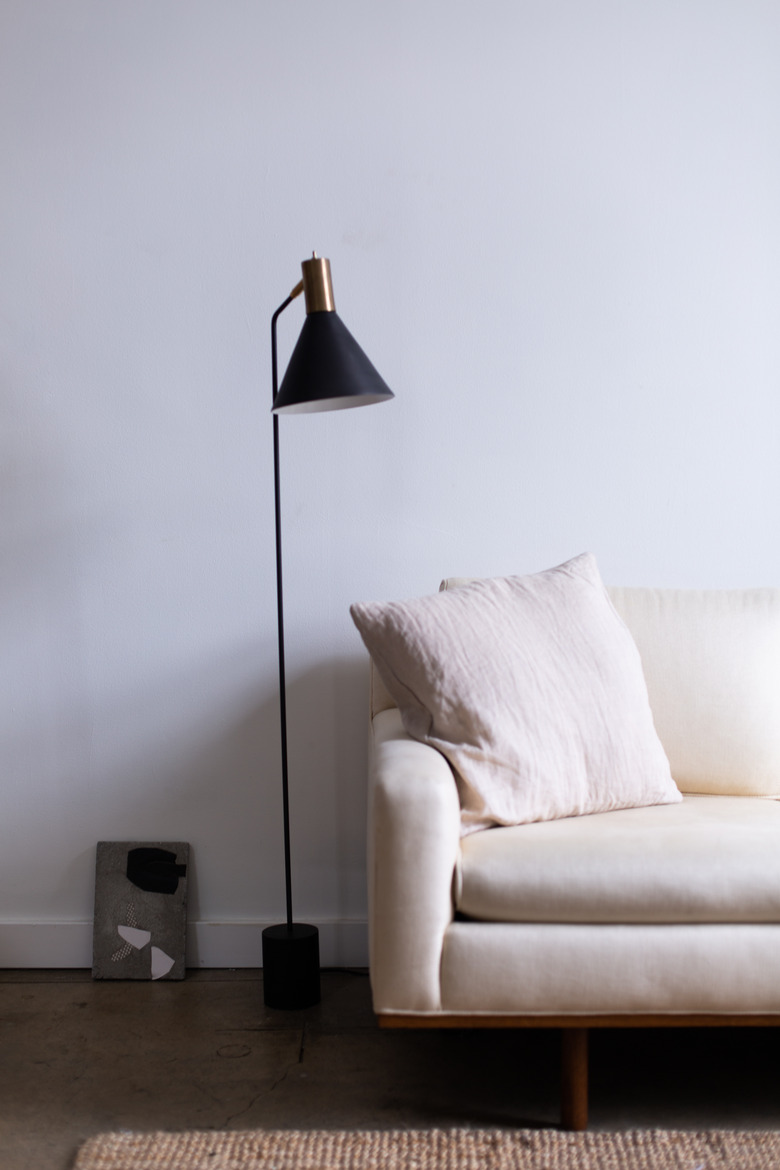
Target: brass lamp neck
(317, 287)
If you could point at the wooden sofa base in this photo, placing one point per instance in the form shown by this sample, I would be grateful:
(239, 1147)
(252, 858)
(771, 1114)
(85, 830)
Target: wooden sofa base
(574, 1041)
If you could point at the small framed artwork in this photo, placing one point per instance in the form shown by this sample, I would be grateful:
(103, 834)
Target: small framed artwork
(140, 910)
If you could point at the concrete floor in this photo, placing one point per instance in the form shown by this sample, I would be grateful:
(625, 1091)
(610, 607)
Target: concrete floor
(79, 1057)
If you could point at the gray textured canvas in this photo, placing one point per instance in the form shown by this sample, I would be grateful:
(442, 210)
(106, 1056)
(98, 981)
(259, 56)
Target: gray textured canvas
(140, 910)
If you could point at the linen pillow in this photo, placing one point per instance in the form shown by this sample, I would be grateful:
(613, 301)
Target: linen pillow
(531, 687)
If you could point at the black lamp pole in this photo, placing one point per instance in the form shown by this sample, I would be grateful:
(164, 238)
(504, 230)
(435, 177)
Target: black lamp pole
(327, 371)
(280, 626)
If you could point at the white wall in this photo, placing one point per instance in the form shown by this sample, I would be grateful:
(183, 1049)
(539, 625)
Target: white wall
(553, 227)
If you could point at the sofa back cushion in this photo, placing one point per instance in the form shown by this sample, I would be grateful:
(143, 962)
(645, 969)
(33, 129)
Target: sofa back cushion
(706, 859)
(711, 660)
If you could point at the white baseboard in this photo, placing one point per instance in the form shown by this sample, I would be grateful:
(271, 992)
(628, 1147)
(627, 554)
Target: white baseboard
(209, 944)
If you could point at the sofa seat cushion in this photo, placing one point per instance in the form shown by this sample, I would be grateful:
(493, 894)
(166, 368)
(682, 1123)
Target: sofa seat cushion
(708, 859)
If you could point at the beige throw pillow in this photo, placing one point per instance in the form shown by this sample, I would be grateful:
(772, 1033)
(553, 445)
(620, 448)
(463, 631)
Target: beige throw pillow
(531, 687)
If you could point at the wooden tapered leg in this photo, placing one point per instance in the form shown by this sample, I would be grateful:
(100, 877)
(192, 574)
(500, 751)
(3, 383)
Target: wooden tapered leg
(574, 1078)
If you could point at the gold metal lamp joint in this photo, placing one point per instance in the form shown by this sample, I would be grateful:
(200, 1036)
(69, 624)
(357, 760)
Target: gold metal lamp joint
(317, 286)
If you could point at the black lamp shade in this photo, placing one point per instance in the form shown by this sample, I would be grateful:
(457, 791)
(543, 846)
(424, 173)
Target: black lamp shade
(328, 370)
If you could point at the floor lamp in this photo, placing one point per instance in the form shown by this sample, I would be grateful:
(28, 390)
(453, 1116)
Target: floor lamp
(327, 371)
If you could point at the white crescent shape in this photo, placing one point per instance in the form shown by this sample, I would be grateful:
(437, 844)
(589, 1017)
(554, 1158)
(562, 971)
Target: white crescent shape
(161, 963)
(137, 938)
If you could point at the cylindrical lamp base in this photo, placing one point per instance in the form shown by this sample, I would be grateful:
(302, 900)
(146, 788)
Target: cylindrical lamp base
(291, 966)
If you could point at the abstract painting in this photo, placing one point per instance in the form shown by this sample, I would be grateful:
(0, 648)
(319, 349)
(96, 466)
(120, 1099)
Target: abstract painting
(140, 910)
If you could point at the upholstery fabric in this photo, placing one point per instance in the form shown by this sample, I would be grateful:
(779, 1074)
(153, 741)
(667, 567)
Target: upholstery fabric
(708, 859)
(424, 962)
(379, 697)
(556, 969)
(531, 687)
(413, 843)
(711, 660)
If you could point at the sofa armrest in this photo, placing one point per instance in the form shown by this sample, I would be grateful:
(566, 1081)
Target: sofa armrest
(413, 841)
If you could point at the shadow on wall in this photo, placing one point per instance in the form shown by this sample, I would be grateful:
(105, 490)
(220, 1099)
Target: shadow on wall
(32, 483)
(196, 760)
(192, 754)
(327, 716)
(43, 544)
(228, 795)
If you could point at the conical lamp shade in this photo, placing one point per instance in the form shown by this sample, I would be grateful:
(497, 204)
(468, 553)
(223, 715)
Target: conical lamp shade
(328, 371)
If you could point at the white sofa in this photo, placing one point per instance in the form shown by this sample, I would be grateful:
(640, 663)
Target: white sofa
(655, 916)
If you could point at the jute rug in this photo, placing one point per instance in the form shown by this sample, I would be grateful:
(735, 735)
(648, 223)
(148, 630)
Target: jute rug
(460, 1149)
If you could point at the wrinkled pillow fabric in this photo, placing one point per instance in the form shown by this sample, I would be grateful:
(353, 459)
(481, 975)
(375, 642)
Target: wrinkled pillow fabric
(532, 687)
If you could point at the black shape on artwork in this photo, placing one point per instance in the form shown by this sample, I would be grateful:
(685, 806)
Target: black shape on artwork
(154, 870)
